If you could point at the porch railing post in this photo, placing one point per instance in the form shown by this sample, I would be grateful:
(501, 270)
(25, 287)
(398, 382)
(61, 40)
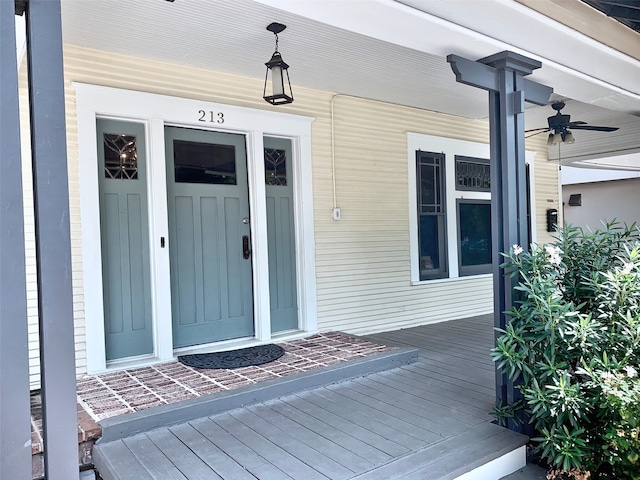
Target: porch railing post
(53, 244)
(15, 430)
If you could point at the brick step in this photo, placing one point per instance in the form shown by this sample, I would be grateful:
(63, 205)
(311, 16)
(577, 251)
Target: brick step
(88, 433)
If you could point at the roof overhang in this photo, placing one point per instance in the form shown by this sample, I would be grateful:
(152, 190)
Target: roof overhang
(392, 51)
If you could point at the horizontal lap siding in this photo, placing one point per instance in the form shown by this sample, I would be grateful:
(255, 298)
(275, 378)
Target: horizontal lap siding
(363, 260)
(29, 234)
(30, 246)
(547, 194)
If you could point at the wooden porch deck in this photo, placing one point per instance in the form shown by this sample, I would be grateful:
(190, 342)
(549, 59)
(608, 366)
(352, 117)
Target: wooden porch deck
(429, 420)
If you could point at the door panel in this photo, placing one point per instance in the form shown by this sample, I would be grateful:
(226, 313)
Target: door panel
(281, 234)
(211, 284)
(124, 238)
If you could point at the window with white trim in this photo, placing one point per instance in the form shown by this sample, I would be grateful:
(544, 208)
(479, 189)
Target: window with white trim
(450, 207)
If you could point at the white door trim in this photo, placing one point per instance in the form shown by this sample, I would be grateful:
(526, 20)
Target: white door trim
(156, 111)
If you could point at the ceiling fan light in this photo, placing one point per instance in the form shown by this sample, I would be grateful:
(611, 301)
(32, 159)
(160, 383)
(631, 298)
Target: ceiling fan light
(568, 137)
(554, 138)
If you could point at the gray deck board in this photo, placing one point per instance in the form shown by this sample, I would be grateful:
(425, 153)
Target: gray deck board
(466, 391)
(326, 447)
(274, 453)
(233, 447)
(422, 390)
(425, 420)
(382, 415)
(308, 455)
(418, 399)
(428, 459)
(120, 463)
(471, 374)
(452, 465)
(353, 444)
(433, 411)
(181, 455)
(358, 431)
(209, 453)
(404, 416)
(152, 459)
(366, 417)
(455, 348)
(449, 362)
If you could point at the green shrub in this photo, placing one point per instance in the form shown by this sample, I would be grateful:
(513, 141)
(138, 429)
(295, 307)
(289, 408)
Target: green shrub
(573, 344)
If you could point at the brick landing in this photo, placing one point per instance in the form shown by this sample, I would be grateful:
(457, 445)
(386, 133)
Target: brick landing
(132, 390)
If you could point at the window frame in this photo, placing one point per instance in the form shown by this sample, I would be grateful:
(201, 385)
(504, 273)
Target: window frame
(470, 270)
(443, 270)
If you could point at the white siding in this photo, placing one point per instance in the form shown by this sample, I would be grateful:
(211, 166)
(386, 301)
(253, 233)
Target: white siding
(363, 260)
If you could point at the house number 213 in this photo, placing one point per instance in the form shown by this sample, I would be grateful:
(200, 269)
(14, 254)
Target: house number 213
(210, 116)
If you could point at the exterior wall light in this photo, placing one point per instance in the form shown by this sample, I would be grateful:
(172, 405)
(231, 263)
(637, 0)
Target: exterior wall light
(575, 199)
(280, 91)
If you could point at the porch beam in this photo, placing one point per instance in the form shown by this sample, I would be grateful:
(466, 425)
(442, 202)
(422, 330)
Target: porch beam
(502, 75)
(481, 75)
(15, 426)
(53, 244)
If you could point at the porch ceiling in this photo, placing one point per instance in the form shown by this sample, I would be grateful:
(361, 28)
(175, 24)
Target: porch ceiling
(380, 49)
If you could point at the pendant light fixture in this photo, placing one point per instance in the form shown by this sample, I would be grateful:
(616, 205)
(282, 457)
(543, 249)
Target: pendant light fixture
(279, 89)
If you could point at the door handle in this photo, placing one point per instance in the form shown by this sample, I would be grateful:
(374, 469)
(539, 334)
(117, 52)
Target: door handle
(246, 251)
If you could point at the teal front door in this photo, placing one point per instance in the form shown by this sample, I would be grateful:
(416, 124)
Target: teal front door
(122, 172)
(209, 236)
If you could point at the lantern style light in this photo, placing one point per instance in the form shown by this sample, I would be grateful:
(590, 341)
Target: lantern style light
(280, 90)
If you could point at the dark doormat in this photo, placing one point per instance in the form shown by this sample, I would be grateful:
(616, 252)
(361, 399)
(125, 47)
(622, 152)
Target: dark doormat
(245, 357)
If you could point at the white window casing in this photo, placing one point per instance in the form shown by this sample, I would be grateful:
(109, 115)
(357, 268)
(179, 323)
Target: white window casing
(450, 148)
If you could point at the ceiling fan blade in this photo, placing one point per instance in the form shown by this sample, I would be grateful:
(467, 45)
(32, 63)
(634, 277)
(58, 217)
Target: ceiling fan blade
(594, 128)
(573, 124)
(533, 133)
(539, 130)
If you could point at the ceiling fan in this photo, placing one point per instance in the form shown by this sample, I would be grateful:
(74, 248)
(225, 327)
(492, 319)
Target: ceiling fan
(560, 125)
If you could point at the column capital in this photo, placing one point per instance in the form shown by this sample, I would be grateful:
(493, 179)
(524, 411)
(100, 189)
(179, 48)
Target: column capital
(511, 61)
